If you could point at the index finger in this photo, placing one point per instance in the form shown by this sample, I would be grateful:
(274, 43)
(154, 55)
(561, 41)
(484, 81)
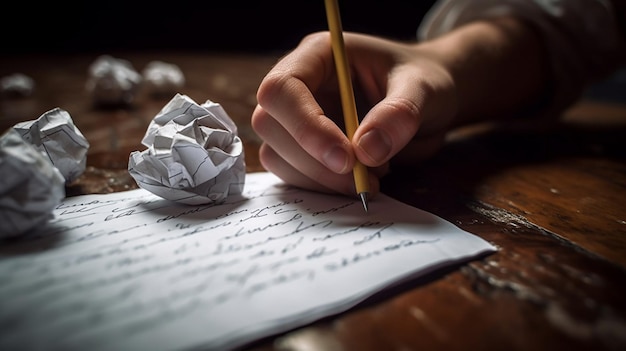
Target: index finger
(287, 93)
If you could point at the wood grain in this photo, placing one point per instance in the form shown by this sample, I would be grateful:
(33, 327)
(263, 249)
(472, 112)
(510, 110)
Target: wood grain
(553, 199)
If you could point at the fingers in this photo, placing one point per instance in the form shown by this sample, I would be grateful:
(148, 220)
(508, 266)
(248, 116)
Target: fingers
(418, 99)
(274, 163)
(284, 170)
(302, 169)
(280, 145)
(411, 95)
(287, 94)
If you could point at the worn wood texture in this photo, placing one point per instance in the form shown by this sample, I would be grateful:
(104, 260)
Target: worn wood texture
(552, 198)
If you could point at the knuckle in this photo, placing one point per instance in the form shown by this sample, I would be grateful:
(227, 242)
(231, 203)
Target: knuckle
(259, 122)
(406, 113)
(271, 87)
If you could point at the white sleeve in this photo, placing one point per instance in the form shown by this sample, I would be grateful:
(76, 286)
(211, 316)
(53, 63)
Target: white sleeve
(581, 37)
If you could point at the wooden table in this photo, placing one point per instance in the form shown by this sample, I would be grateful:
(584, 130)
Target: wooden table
(553, 199)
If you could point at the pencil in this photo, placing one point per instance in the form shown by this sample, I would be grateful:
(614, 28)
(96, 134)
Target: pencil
(348, 104)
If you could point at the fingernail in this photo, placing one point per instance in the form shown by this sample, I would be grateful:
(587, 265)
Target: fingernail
(336, 159)
(376, 144)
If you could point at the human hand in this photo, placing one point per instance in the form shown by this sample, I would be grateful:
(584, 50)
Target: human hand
(406, 96)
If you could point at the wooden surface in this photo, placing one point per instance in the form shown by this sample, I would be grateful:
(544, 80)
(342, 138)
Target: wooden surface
(553, 199)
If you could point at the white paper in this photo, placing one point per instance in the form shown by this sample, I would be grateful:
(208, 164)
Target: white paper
(30, 189)
(163, 78)
(17, 84)
(131, 271)
(55, 134)
(112, 81)
(194, 155)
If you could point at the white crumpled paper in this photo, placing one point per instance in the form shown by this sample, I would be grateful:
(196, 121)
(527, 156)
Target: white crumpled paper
(17, 84)
(112, 81)
(55, 135)
(161, 78)
(31, 186)
(194, 155)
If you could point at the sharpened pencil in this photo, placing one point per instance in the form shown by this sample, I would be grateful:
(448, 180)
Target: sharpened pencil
(348, 103)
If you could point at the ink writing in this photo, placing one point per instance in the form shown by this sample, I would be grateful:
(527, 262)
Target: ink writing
(128, 270)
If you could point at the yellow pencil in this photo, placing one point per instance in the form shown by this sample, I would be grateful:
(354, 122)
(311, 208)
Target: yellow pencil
(347, 93)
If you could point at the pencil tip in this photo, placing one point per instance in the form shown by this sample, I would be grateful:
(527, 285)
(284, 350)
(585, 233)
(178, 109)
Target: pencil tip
(364, 200)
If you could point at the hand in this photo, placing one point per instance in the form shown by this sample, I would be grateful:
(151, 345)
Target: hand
(406, 98)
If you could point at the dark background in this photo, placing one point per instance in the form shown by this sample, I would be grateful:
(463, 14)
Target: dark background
(192, 25)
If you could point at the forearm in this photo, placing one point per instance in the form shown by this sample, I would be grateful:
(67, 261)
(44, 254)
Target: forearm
(498, 66)
(582, 41)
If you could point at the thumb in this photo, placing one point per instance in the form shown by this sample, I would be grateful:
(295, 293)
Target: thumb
(411, 104)
(386, 129)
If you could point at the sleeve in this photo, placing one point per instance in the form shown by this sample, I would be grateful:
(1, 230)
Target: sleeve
(581, 37)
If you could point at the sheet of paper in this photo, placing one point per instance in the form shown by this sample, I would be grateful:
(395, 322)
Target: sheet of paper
(132, 271)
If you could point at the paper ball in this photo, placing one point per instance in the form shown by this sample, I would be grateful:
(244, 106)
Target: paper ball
(112, 81)
(17, 85)
(193, 154)
(55, 135)
(31, 186)
(161, 78)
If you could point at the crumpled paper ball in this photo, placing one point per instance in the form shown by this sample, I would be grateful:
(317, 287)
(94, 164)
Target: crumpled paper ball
(160, 78)
(194, 155)
(112, 81)
(17, 84)
(55, 135)
(31, 186)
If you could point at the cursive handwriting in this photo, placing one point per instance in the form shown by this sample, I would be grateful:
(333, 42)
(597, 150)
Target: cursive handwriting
(125, 270)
